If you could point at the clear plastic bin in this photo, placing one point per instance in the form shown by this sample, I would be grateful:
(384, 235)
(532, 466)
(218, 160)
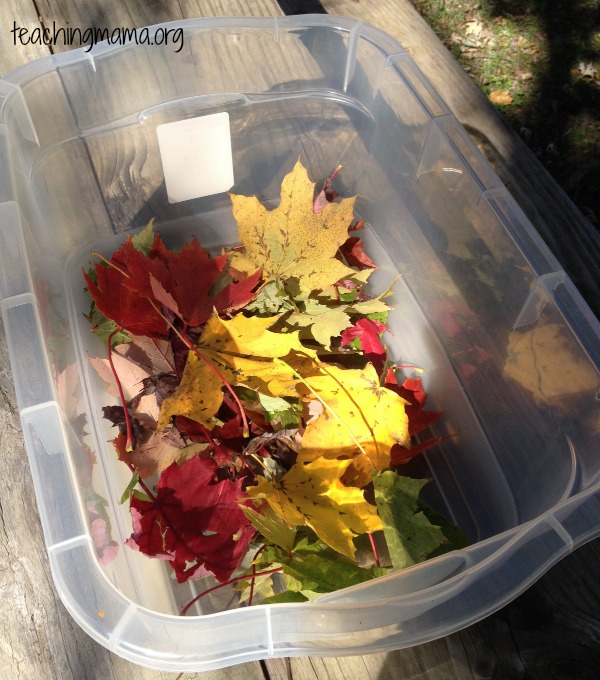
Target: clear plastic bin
(509, 348)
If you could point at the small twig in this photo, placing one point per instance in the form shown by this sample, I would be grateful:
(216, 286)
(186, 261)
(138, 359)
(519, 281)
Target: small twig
(256, 554)
(141, 482)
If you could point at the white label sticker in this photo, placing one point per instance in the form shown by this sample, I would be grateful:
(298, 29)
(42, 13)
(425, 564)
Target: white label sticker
(196, 156)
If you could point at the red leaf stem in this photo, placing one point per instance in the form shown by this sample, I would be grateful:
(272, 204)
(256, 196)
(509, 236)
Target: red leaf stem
(190, 345)
(129, 442)
(374, 549)
(231, 581)
(141, 482)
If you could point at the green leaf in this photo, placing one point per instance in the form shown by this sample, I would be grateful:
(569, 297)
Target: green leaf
(286, 413)
(272, 527)
(144, 239)
(347, 295)
(324, 322)
(286, 596)
(319, 569)
(409, 534)
(455, 539)
(141, 496)
(382, 317)
(103, 328)
(272, 299)
(130, 487)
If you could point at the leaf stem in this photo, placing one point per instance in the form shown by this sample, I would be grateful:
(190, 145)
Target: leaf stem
(189, 344)
(256, 554)
(110, 264)
(388, 291)
(129, 442)
(374, 549)
(231, 581)
(262, 465)
(143, 484)
(418, 369)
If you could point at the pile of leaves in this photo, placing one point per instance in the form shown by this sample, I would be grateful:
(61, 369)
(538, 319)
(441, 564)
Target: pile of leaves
(262, 421)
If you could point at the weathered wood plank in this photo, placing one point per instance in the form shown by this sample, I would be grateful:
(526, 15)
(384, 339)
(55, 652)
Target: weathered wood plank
(552, 630)
(13, 53)
(440, 660)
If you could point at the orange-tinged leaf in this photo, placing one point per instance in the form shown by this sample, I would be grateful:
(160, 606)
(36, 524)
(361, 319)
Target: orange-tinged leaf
(292, 241)
(131, 376)
(361, 419)
(312, 494)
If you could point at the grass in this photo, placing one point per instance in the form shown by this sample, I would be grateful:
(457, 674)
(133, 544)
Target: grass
(539, 63)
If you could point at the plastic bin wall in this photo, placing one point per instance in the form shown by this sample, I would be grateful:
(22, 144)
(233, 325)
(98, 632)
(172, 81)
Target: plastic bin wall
(509, 349)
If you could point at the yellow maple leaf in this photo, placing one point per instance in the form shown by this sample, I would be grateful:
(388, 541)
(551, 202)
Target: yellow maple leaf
(292, 241)
(312, 494)
(241, 351)
(361, 420)
(198, 396)
(244, 349)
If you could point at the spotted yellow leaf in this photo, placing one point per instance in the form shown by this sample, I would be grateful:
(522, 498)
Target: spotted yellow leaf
(360, 419)
(292, 241)
(241, 351)
(312, 494)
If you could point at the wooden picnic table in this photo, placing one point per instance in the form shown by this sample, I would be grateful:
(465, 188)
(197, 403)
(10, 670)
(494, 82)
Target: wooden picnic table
(551, 631)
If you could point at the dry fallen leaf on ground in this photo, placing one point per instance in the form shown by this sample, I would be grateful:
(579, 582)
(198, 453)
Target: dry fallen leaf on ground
(500, 98)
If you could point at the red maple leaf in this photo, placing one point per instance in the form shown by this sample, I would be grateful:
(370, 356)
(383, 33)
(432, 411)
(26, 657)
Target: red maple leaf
(183, 281)
(126, 307)
(412, 391)
(400, 455)
(353, 251)
(131, 289)
(192, 521)
(418, 419)
(367, 331)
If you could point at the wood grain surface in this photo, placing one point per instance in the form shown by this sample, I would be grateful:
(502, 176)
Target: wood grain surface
(551, 631)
